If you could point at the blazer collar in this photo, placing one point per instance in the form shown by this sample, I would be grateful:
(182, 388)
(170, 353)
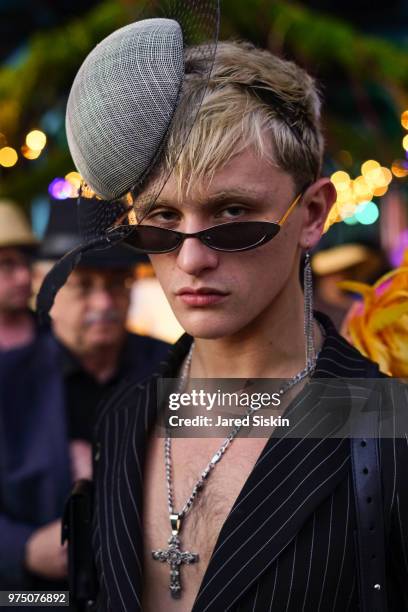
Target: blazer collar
(337, 358)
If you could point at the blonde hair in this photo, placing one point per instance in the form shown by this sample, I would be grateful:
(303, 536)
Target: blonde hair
(252, 98)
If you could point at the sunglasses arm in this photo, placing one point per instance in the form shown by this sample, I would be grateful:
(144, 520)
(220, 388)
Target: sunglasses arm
(291, 207)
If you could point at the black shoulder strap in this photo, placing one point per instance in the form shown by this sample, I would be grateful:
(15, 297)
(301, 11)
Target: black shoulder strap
(369, 512)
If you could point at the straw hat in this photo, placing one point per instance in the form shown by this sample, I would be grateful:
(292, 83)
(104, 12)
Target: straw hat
(365, 261)
(14, 227)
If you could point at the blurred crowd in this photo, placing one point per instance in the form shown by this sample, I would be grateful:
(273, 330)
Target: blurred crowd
(53, 375)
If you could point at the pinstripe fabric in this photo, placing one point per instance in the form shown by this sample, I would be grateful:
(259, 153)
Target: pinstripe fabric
(288, 544)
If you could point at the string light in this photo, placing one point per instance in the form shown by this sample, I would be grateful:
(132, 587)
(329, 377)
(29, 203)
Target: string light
(368, 166)
(30, 153)
(404, 120)
(380, 191)
(367, 213)
(378, 177)
(399, 168)
(60, 189)
(8, 157)
(341, 180)
(36, 140)
(362, 189)
(353, 203)
(346, 210)
(75, 179)
(351, 220)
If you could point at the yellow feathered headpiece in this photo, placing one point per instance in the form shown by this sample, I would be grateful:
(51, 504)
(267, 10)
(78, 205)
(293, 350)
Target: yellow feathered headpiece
(378, 326)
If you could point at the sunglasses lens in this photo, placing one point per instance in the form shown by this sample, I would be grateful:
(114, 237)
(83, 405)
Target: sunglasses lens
(236, 236)
(240, 236)
(149, 239)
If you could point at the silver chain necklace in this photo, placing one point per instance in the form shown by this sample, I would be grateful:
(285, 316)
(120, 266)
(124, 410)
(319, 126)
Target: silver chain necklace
(173, 555)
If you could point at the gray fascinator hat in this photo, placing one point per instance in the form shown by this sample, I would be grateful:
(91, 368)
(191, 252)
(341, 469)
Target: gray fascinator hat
(122, 102)
(121, 109)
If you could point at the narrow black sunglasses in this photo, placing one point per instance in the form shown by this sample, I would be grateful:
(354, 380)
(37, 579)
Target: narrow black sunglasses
(229, 237)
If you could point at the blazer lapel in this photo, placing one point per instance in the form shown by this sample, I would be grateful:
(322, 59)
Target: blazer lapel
(292, 476)
(121, 448)
(119, 506)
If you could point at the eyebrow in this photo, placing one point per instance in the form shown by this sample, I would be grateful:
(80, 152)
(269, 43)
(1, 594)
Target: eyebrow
(215, 199)
(236, 194)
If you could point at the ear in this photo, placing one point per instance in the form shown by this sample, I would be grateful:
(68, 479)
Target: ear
(317, 202)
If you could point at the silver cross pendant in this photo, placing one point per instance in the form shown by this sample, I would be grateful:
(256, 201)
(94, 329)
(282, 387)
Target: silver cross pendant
(175, 557)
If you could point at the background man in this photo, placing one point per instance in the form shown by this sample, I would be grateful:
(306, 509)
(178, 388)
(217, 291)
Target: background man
(17, 243)
(49, 397)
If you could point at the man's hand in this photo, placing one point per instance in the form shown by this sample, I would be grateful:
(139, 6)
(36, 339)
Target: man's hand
(44, 554)
(81, 459)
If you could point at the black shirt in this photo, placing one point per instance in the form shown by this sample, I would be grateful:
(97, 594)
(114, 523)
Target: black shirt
(83, 392)
(82, 396)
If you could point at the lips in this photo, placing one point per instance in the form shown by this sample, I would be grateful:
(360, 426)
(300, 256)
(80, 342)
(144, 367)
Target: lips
(203, 296)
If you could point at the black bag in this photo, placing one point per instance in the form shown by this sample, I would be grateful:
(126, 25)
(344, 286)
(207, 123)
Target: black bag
(77, 530)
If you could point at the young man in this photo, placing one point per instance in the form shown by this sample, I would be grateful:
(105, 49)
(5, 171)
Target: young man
(271, 525)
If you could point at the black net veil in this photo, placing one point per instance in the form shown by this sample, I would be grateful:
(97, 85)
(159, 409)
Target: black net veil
(199, 20)
(128, 157)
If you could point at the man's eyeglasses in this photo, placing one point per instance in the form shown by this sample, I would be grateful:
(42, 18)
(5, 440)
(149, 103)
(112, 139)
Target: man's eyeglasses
(10, 265)
(228, 237)
(84, 288)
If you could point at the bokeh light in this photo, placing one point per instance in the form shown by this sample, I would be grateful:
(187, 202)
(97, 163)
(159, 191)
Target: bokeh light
(354, 196)
(30, 153)
(368, 166)
(399, 168)
(380, 191)
(60, 189)
(345, 197)
(75, 179)
(404, 119)
(386, 177)
(8, 157)
(345, 158)
(367, 213)
(362, 189)
(378, 177)
(36, 140)
(341, 180)
(346, 210)
(397, 253)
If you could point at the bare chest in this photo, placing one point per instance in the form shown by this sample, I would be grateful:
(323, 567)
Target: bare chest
(202, 524)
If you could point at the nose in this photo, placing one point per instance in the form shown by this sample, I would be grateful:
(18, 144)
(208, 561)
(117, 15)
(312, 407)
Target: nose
(23, 275)
(194, 257)
(102, 300)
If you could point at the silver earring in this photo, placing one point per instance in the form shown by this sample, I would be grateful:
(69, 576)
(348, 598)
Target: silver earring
(308, 305)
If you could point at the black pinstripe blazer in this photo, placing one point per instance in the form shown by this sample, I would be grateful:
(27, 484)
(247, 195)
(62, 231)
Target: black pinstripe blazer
(288, 544)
